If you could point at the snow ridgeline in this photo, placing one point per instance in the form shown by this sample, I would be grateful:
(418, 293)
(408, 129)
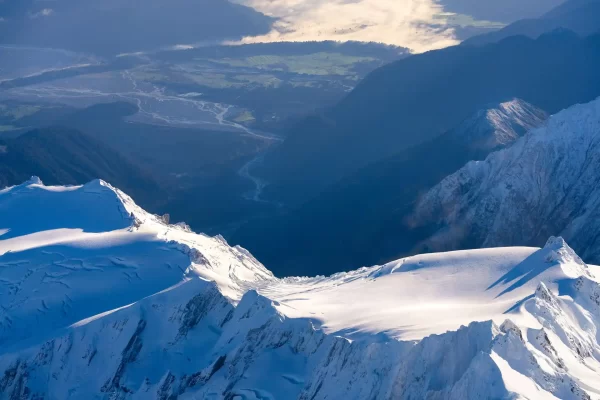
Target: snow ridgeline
(103, 300)
(498, 125)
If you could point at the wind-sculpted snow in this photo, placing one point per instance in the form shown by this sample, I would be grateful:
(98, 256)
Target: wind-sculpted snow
(546, 184)
(153, 311)
(70, 253)
(25, 209)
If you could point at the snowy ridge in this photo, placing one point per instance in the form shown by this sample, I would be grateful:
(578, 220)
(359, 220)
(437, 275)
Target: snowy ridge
(148, 310)
(499, 125)
(545, 184)
(73, 252)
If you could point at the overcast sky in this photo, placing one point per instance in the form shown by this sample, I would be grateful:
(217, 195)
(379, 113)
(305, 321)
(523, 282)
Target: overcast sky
(418, 24)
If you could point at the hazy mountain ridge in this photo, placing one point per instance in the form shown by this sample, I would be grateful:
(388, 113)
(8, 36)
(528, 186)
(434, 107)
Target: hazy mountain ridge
(416, 99)
(546, 182)
(580, 16)
(224, 339)
(499, 125)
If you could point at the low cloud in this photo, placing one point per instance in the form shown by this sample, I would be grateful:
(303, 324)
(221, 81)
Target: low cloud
(46, 12)
(417, 24)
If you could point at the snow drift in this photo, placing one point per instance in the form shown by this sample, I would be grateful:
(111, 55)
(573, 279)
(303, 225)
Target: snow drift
(100, 299)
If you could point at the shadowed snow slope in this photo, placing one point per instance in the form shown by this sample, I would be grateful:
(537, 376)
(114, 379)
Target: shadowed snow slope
(100, 299)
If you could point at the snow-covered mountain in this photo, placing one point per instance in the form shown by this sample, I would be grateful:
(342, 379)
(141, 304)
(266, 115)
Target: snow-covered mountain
(100, 299)
(498, 125)
(547, 183)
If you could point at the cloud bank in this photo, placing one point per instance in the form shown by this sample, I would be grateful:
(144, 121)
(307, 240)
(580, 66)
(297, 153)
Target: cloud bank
(417, 24)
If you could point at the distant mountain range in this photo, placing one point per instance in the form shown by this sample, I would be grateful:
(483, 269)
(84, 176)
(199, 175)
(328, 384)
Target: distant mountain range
(506, 11)
(580, 16)
(351, 223)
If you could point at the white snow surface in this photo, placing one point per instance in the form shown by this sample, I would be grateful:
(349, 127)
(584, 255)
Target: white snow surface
(72, 252)
(100, 299)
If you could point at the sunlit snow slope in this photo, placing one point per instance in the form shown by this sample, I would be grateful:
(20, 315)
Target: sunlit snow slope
(546, 183)
(69, 253)
(100, 299)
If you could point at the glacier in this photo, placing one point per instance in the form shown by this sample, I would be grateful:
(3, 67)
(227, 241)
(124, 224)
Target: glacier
(100, 299)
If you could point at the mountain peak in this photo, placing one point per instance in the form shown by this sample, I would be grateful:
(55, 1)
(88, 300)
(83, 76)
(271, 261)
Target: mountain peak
(72, 236)
(99, 183)
(93, 207)
(556, 243)
(559, 252)
(500, 124)
(34, 180)
(517, 107)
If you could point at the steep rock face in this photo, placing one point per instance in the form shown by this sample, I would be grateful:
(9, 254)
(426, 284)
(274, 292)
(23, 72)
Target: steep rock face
(225, 328)
(545, 184)
(119, 354)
